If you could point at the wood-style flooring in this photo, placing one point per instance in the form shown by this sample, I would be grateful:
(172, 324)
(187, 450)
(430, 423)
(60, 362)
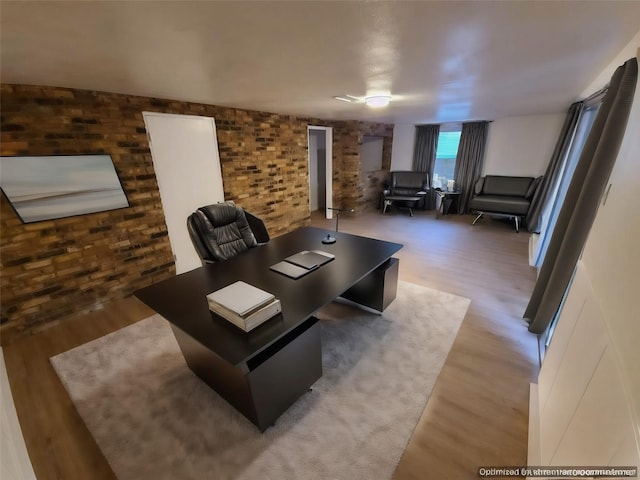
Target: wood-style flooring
(478, 411)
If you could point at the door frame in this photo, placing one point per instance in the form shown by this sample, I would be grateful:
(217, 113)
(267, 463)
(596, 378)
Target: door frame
(328, 139)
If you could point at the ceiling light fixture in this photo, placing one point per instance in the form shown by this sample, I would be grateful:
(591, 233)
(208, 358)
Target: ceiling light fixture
(378, 101)
(346, 98)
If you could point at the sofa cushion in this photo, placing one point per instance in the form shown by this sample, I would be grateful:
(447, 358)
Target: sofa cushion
(503, 185)
(406, 191)
(516, 205)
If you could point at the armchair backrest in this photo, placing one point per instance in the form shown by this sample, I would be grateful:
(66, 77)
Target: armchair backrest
(221, 231)
(507, 186)
(408, 183)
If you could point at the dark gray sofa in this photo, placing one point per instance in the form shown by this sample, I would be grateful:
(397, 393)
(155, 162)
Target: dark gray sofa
(505, 196)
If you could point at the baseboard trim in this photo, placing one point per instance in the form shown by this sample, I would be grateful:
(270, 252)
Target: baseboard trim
(533, 452)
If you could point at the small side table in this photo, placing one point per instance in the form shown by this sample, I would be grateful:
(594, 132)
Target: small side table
(447, 198)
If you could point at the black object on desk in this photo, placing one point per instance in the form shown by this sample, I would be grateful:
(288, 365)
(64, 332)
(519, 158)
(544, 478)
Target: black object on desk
(289, 269)
(328, 240)
(310, 259)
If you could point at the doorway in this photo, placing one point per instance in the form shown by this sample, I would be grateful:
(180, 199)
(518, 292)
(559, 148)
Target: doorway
(320, 154)
(184, 149)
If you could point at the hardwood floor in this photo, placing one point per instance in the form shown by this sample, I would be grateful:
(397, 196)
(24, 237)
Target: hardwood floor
(478, 411)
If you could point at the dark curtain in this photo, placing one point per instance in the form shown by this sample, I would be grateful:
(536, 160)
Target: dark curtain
(473, 140)
(583, 196)
(424, 154)
(554, 169)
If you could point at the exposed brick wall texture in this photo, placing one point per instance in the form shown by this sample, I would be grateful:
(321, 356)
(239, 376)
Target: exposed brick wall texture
(59, 268)
(357, 189)
(371, 183)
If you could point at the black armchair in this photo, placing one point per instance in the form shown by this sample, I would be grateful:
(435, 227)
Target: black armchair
(406, 189)
(224, 230)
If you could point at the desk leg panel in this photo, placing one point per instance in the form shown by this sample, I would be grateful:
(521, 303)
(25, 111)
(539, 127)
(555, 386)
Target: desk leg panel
(378, 289)
(285, 376)
(272, 380)
(227, 380)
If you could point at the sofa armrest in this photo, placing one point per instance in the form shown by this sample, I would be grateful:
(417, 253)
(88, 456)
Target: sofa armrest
(479, 185)
(533, 187)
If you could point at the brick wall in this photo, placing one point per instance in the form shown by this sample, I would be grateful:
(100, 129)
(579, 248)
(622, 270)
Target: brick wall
(357, 189)
(371, 182)
(55, 269)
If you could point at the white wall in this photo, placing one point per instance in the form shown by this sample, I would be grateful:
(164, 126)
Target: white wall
(629, 51)
(612, 254)
(522, 146)
(404, 137)
(515, 145)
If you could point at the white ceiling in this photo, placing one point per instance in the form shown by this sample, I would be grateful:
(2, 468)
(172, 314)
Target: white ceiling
(441, 61)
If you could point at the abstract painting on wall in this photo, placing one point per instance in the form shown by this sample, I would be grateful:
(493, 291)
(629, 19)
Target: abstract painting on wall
(48, 187)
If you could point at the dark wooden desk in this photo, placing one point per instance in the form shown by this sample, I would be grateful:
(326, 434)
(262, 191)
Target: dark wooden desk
(261, 373)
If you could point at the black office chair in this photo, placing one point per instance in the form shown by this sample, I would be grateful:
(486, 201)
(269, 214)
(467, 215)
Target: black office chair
(224, 230)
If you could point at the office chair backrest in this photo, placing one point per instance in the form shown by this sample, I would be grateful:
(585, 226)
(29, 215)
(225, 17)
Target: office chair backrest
(220, 231)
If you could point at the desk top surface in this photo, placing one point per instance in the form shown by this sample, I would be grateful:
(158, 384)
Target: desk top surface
(182, 299)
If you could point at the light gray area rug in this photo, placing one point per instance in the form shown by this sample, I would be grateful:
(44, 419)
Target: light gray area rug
(154, 419)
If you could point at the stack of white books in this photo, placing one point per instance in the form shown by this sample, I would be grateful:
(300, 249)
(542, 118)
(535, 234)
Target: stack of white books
(244, 305)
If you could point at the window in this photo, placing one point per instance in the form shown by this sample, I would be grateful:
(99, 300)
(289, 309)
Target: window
(446, 154)
(552, 209)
